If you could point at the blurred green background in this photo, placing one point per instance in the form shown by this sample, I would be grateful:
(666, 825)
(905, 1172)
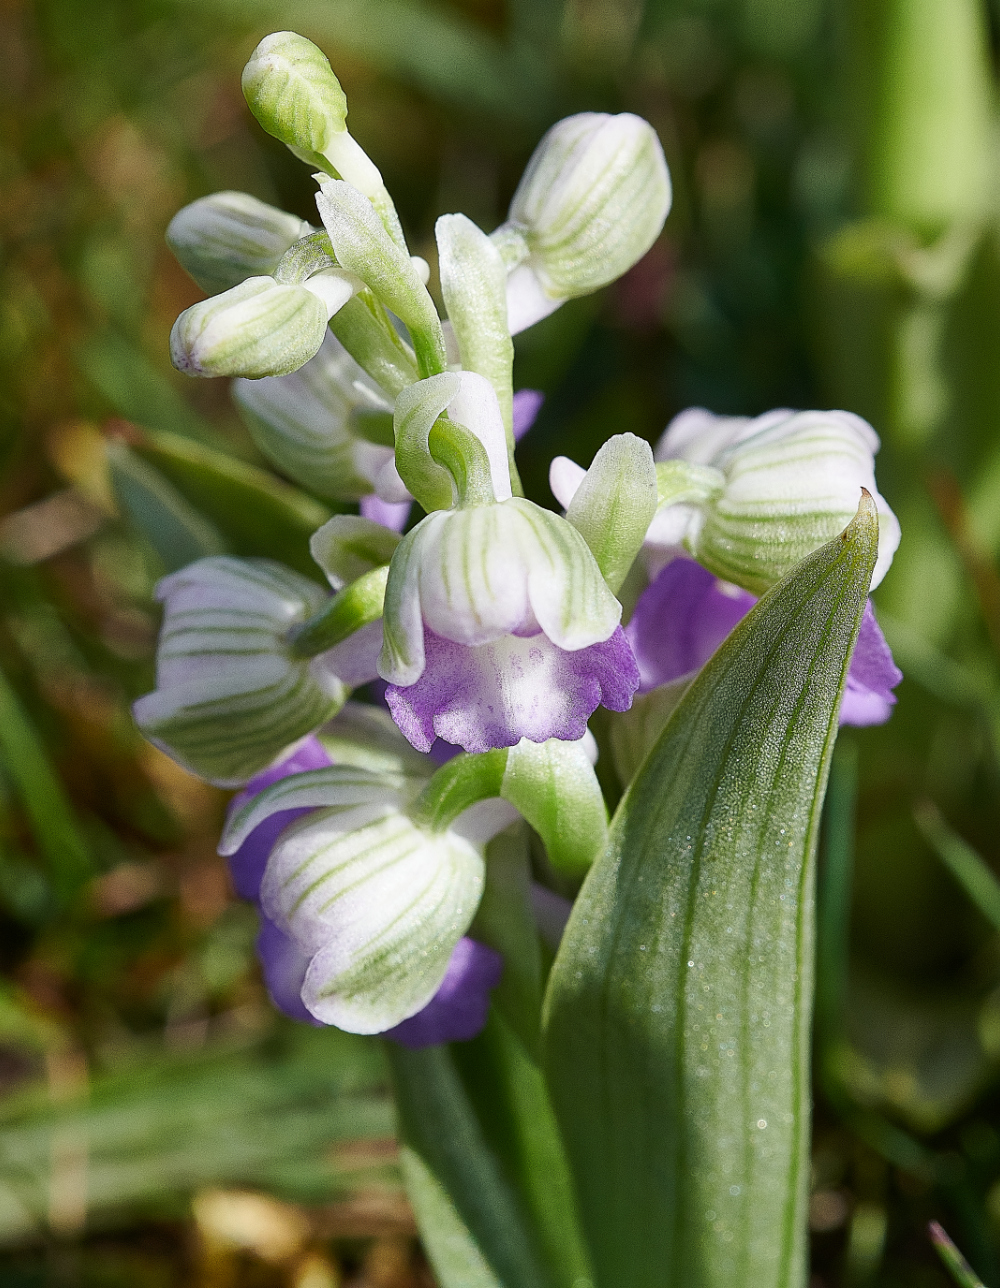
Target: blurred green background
(834, 241)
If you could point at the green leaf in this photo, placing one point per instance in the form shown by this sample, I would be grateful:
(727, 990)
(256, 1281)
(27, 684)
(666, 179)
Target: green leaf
(50, 815)
(507, 1090)
(137, 389)
(439, 1125)
(505, 921)
(677, 1020)
(453, 1252)
(257, 514)
(957, 1266)
(175, 529)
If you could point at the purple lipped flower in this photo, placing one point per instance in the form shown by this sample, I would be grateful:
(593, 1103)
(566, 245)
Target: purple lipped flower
(498, 623)
(305, 953)
(492, 695)
(458, 1010)
(527, 405)
(685, 613)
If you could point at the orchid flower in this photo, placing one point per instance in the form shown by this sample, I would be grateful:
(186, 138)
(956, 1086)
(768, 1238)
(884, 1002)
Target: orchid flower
(458, 1009)
(498, 624)
(685, 614)
(232, 693)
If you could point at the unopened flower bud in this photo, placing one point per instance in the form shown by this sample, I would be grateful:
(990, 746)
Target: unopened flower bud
(292, 91)
(259, 328)
(223, 239)
(589, 205)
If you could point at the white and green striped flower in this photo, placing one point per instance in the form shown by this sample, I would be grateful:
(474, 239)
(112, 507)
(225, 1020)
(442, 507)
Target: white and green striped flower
(591, 202)
(223, 239)
(231, 694)
(376, 900)
(788, 483)
(318, 426)
(750, 498)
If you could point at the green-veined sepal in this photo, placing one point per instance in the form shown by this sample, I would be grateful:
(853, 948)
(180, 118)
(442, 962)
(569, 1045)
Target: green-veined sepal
(308, 423)
(223, 239)
(230, 695)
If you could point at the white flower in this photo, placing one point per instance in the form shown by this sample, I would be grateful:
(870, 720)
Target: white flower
(591, 202)
(230, 695)
(223, 239)
(375, 900)
(750, 498)
(312, 426)
(498, 623)
(259, 328)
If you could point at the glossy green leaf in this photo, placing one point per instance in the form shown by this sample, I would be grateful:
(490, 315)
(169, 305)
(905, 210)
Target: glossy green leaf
(678, 1012)
(257, 514)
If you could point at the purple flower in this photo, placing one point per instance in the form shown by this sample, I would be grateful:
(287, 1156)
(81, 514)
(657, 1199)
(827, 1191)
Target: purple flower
(686, 613)
(527, 405)
(498, 623)
(495, 694)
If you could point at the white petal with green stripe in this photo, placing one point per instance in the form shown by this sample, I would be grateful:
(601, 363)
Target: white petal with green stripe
(474, 575)
(229, 695)
(378, 903)
(313, 423)
(223, 239)
(591, 202)
(259, 328)
(790, 483)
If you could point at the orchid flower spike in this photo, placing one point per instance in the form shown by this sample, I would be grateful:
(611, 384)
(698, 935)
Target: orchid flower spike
(498, 623)
(223, 239)
(232, 692)
(328, 426)
(373, 891)
(750, 498)
(591, 202)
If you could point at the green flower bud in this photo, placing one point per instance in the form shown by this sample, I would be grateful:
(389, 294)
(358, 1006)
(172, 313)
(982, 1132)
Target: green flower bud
(589, 205)
(292, 91)
(259, 328)
(223, 239)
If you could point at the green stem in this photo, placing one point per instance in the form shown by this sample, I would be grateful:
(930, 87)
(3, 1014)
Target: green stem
(362, 326)
(357, 605)
(460, 783)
